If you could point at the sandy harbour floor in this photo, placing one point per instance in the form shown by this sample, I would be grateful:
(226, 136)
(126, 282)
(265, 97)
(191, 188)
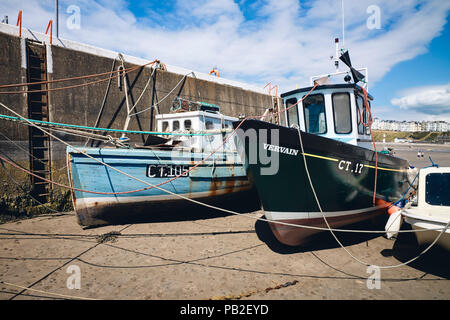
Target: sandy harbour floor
(233, 257)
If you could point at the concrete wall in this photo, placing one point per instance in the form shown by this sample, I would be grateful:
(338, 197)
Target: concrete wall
(81, 105)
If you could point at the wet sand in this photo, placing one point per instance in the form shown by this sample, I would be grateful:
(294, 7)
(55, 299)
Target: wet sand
(439, 153)
(224, 257)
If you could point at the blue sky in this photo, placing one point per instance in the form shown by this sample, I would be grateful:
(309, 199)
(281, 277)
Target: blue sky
(281, 41)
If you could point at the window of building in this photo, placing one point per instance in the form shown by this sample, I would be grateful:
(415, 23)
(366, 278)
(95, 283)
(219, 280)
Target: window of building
(342, 112)
(315, 118)
(292, 113)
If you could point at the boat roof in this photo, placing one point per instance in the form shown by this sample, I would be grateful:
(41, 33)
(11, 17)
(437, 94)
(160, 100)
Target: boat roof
(189, 114)
(325, 86)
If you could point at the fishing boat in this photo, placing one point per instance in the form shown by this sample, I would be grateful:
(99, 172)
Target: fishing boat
(109, 184)
(429, 214)
(320, 168)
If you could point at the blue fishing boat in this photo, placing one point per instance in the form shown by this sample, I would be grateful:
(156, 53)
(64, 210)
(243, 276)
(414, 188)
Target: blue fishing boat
(111, 184)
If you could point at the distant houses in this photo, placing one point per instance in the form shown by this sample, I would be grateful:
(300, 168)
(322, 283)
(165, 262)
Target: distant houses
(410, 126)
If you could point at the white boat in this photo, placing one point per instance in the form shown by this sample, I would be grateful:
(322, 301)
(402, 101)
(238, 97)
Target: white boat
(431, 210)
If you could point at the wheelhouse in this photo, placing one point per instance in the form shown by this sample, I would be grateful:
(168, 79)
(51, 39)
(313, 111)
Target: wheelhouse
(333, 111)
(213, 122)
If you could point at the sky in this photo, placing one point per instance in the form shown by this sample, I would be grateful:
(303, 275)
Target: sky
(404, 44)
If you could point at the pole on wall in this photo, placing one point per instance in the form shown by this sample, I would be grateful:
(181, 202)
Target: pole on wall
(57, 19)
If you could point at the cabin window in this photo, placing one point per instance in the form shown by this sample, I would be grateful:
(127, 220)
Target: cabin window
(437, 193)
(187, 124)
(176, 125)
(292, 114)
(360, 112)
(209, 125)
(342, 112)
(314, 109)
(361, 108)
(368, 127)
(165, 126)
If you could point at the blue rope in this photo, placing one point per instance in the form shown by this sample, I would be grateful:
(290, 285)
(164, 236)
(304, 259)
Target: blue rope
(412, 183)
(104, 129)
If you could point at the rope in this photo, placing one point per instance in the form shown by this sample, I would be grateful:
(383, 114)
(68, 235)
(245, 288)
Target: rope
(73, 78)
(170, 92)
(25, 191)
(143, 91)
(162, 183)
(100, 112)
(20, 118)
(176, 177)
(368, 124)
(336, 238)
(47, 292)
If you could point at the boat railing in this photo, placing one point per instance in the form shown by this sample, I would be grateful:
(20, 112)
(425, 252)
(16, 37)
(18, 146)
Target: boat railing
(338, 73)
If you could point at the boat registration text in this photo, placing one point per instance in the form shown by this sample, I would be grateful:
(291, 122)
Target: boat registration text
(347, 166)
(166, 170)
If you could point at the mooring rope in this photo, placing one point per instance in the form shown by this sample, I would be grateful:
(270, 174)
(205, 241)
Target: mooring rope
(49, 123)
(176, 177)
(122, 72)
(236, 213)
(336, 238)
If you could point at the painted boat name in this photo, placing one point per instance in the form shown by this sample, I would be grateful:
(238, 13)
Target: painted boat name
(166, 171)
(271, 147)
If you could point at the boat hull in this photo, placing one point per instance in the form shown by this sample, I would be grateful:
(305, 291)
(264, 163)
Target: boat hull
(220, 180)
(422, 224)
(343, 176)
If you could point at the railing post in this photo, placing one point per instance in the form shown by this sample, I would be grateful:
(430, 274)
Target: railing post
(50, 25)
(270, 88)
(19, 23)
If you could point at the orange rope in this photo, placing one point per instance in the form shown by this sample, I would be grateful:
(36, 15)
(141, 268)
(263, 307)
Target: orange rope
(72, 78)
(167, 181)
(19, 23)
(369, 125)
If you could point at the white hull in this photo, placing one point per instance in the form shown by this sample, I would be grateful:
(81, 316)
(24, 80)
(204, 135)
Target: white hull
(421, 223)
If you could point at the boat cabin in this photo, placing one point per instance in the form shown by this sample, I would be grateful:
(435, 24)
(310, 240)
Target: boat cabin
(206, 122)
(332, 111)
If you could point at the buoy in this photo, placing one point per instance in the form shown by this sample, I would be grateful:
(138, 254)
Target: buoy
(392, 209)
(394, 223)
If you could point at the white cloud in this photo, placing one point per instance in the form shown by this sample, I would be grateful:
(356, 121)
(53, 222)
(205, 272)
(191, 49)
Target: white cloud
(285, 42)
(434, 100)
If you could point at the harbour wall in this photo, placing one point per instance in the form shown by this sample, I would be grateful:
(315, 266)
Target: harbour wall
(81, 103)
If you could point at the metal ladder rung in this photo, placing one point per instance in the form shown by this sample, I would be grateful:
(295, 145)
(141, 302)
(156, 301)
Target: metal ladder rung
(42, 182)
(43, 194)
(39, 102)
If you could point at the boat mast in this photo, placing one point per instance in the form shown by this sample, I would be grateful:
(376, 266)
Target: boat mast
(343, 26)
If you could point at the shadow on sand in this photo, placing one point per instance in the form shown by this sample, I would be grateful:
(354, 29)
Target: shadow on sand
(435, 261)
(323, 240)
(179, 211)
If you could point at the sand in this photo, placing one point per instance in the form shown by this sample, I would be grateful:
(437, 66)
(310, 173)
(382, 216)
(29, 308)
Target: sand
(221, 257)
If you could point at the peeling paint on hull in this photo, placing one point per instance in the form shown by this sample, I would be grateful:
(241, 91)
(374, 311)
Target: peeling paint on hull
(213, 182)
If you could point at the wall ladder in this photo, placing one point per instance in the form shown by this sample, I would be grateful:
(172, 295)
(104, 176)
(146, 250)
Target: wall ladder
(39, 142)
